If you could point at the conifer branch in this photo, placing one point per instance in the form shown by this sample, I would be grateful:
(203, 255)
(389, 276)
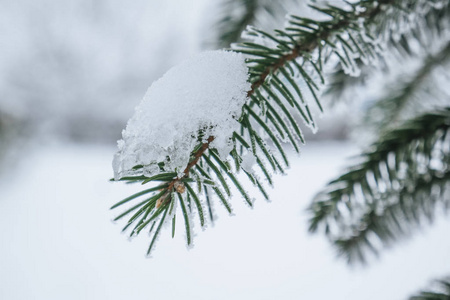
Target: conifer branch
(400, 182)
(431, 26)
(319, 34)
(340, 83)
(236, 15)
(285, 68)
(440, 291)
(229, 26)
(393, 105)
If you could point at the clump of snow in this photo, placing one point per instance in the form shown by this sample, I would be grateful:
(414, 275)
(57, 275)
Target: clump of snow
(205, 93)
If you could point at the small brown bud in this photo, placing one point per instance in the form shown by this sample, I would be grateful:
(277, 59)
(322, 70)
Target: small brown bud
(179, 187)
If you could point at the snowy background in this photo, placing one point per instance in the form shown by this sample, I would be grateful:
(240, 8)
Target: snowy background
(71, 74)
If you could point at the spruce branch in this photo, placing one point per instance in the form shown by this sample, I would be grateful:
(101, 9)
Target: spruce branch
(285, 71)
(401, 182)
(230, 26)
(440, 291)
(236, 15)
(393, 105)
(340, 83)
(426, 29)
(309, 35)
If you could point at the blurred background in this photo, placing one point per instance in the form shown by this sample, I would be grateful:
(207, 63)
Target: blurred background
(71, 73)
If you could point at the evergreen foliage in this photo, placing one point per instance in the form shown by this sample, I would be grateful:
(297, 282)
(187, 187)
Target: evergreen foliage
(402, 179)
(431, 27)
(440, 292)
(230, 26)
(400, 182)
(406, 98)
(237, 14)
(286, 72)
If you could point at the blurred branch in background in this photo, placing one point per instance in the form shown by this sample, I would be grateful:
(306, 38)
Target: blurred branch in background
(405, 97)
(401, 182)
(231, 25)
(236, 15)
(412, 42)
(13, 134)
(402, 178)
(440, 290)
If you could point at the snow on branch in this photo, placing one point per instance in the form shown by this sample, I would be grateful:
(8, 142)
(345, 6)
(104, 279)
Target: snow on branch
(401, 181)
(200, 98)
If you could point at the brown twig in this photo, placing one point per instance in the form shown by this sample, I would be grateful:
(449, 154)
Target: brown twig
(309, 46)
(192, 163)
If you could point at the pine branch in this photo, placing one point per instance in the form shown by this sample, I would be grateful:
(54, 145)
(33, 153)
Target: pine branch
(230, 26)
(441, 291)
(340, 83)
(304, 36)
(426, 29)
(238, 14)
(401, 182)
(393, 105)
(285, 70)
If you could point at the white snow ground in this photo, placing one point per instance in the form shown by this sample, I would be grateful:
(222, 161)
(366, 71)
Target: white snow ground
(58, 242)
